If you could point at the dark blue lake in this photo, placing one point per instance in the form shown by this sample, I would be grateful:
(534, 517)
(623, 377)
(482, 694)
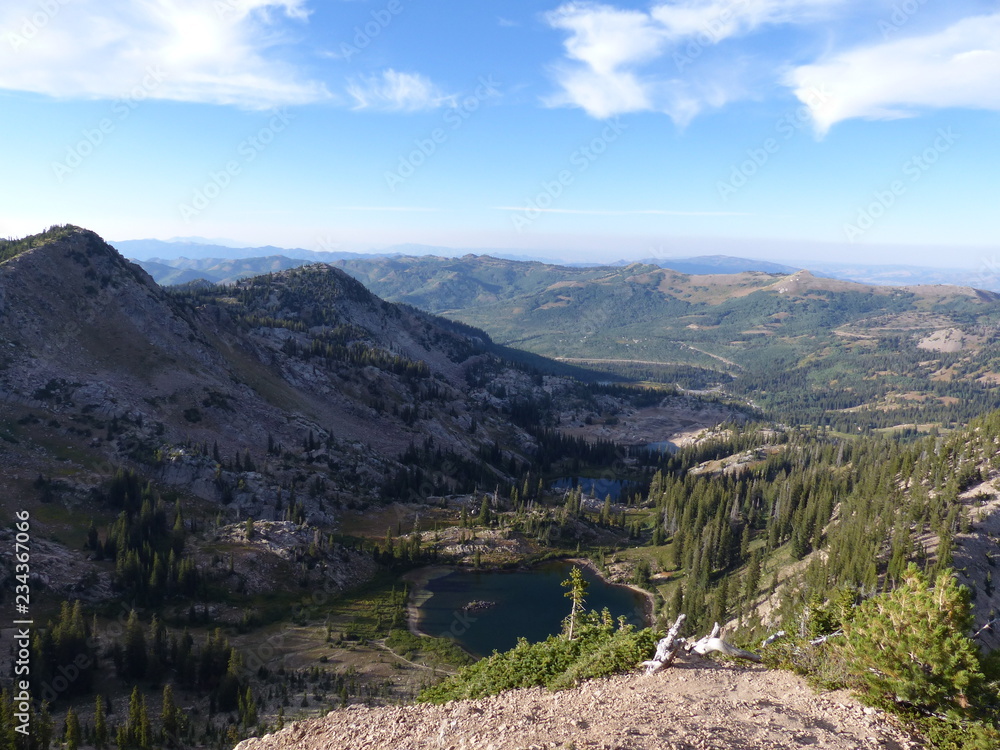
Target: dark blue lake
(529, 604)
(664, 446)
(599, 488)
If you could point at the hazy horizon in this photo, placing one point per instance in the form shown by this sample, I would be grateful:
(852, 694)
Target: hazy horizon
(782, 253)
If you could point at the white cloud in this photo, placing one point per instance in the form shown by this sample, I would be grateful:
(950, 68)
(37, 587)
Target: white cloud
(720, 19)
(397, 92)
(214, 51)
(956, 67)
(611, 51)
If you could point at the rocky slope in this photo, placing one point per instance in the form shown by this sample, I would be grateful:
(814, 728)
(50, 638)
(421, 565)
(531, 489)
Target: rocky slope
(290, 396)
(99, 362)
(690, 706)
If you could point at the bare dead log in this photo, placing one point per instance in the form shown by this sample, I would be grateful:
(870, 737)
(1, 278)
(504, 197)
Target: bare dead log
(667, 648)
(987, 628)
(713, 643)
(825, 638)
(772, 638)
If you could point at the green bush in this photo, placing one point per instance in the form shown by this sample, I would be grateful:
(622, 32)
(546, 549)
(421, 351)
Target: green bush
(599, 649)
(910, 646)
(907, 652)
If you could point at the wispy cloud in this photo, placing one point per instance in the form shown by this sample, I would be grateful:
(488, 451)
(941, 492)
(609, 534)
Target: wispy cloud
(383, 208)
(956, 67)
(222, 52)
(636, 212)
(620, 61)
(393, 91)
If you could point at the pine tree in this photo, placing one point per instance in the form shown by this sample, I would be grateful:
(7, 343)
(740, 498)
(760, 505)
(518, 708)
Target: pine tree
(134, 716)
(485, 517)
(100, 724)
(145, 729)
(249, 709)
(44, 729)
(135, 659)
(577, 591)
(170, 718)
(911, 645)
(72, 735)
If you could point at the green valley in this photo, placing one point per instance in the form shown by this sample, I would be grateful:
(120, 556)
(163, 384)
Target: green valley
(806, 349)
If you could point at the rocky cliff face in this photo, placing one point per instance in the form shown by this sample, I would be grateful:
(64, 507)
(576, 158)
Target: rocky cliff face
(284, 398)
(302, 362)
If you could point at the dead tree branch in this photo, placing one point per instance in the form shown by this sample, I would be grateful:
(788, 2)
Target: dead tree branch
(667, 648)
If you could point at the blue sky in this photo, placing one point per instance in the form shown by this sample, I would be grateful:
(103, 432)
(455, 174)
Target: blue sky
(790, 129)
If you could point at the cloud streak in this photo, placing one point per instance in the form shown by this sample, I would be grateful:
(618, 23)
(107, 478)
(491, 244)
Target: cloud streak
(610, 212)
(392, 91)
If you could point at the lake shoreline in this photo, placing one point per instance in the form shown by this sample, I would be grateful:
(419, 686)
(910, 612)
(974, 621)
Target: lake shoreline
(418, 580)
(648, 596)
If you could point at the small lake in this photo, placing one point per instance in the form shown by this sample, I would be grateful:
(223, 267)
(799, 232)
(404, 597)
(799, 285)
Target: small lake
(599, 488)
(529, 604)
(664, 446)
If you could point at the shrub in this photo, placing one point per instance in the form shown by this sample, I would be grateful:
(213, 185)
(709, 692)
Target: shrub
(910, 645)
(597, 650)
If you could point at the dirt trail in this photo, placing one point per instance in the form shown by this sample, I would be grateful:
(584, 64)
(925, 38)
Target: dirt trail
(700, 706)
(437, 670)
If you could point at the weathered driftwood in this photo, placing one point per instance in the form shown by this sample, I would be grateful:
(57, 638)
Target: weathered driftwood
(825, 638)
(668, 647)
(714, 643)
(772, 638)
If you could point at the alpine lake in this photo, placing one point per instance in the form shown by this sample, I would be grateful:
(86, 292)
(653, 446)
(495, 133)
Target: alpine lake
(485, 611)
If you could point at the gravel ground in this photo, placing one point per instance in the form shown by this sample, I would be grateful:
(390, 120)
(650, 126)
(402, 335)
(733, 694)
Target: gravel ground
(689, 706)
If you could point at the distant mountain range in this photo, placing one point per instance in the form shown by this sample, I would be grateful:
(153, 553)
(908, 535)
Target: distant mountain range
(167, 252)
(712, 264)
(172, 262)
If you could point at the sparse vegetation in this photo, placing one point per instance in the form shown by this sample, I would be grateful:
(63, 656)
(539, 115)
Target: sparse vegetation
(599, 648)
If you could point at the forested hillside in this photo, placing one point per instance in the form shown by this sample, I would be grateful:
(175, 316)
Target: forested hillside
(809, 350)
